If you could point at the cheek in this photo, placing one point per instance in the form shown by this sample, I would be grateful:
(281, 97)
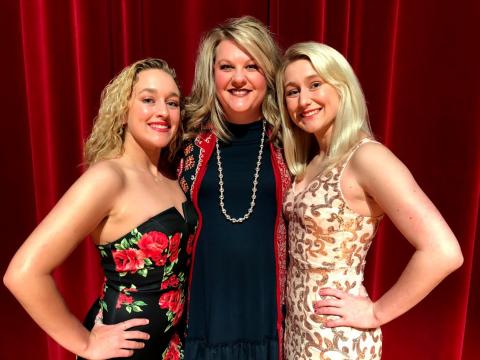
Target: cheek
(220, 81)
(291, 106)
(174, 115)
(141, 111)
(260, 83)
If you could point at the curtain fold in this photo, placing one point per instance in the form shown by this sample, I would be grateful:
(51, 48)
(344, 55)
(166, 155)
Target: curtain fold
(418, 65)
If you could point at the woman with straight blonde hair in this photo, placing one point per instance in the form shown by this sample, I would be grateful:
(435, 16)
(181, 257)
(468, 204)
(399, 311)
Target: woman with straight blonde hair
(234, 172)
(130, 203)
(334, 207)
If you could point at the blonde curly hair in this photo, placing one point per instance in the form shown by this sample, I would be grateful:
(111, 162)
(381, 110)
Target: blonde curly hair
(107, 136)
(203, 108)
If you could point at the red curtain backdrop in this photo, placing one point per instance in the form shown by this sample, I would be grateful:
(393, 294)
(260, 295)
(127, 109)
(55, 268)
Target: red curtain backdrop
(418, 62)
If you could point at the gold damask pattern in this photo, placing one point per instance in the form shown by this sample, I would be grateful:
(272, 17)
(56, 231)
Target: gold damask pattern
(328, 243)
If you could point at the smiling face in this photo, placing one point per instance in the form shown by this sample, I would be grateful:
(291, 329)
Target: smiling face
(240, 84)
(153, 110)
(311, 102)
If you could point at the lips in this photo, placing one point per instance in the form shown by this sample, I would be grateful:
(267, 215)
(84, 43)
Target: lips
(160, 126)
(239, 92)
(308, 113)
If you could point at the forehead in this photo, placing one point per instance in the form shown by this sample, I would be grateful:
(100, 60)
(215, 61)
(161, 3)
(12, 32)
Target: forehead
(299, 69)
(155, 79)
(229, 49)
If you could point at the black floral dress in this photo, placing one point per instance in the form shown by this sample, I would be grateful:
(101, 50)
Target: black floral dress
(145, 277)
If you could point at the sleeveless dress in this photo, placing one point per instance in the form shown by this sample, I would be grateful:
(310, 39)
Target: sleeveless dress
(145, 277)
(328, 243)
(232, 311)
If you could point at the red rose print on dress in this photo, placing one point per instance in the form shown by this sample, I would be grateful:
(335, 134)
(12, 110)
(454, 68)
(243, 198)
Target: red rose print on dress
(190, 244)
(172, 281)
(153, 244)
(128, 260)
(174, 244)
(103, 288)
(173, 301)
(173, 350)
(123, 300)
(146, 279)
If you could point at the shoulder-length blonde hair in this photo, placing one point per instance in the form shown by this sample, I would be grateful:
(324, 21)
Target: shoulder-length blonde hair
(351, 122)
(202, 106)
(107, 136)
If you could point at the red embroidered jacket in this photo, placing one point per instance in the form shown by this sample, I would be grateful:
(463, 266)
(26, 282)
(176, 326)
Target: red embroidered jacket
(192, 168)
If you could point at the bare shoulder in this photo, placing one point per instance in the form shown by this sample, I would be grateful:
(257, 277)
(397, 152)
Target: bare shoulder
(373, 158)
(106, 174)
(371, 153)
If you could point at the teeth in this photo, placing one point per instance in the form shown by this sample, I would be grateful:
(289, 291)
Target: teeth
(239, 91)
(310, 113)
(158, 126)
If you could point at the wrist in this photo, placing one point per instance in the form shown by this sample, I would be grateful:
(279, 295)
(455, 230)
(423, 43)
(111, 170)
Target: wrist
(82, 348)
(378, 320)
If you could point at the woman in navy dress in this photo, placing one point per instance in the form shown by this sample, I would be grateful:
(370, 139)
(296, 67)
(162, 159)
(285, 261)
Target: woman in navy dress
(234, 173)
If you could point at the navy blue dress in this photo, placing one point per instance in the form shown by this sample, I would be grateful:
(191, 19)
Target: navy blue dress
(232, 311)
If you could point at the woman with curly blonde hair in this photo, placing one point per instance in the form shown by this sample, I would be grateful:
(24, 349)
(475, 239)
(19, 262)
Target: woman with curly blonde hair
(138, 217)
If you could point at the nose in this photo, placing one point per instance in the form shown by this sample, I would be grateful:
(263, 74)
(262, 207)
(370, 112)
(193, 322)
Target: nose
(304, 99)
(238, 78)
(161, 109)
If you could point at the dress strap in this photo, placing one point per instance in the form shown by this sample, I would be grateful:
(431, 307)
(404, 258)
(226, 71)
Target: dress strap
(352, 151)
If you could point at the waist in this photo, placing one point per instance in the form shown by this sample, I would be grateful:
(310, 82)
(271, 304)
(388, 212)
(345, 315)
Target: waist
(146, 288)
(340, 266)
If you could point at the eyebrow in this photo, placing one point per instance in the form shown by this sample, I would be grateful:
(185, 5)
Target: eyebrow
(154, 91)
(308, 78)
(218, 60)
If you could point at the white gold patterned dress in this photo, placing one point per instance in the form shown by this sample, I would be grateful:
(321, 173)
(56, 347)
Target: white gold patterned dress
(328, 243)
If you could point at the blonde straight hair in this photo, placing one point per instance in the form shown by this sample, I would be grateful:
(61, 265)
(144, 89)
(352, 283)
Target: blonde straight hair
(351, 123)
(203, 109)
(107, 136)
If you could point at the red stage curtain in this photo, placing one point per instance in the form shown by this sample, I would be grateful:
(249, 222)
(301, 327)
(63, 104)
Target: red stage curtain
(418, 62)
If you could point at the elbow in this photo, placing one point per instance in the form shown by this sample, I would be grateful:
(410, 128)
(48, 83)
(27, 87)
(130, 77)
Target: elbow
(457, 261)
(9, 279)
(453, 259)
(13, 279)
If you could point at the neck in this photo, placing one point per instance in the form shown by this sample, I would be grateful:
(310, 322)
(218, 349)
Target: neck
(243, 118)
(324, 138)
(146, 159)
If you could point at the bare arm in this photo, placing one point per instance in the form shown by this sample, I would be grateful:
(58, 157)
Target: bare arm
(28, 276)
(436, 255)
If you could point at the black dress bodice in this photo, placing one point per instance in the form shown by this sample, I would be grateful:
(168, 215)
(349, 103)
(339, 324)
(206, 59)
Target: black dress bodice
(145, 277)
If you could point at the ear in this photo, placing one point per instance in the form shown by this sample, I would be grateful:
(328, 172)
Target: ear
(125, 119)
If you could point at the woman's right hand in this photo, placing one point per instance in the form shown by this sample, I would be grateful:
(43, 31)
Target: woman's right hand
(110, 341)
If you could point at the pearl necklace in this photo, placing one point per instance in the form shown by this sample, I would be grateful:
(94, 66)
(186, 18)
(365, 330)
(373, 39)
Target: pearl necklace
(254, 187)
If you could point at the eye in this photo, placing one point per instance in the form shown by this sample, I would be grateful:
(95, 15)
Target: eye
(226, 67)
(315, 85)
(173, 103)
(148, 100)
(291, 92)
(253, 67)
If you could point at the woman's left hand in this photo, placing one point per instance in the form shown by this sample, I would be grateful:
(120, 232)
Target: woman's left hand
(353, 310)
